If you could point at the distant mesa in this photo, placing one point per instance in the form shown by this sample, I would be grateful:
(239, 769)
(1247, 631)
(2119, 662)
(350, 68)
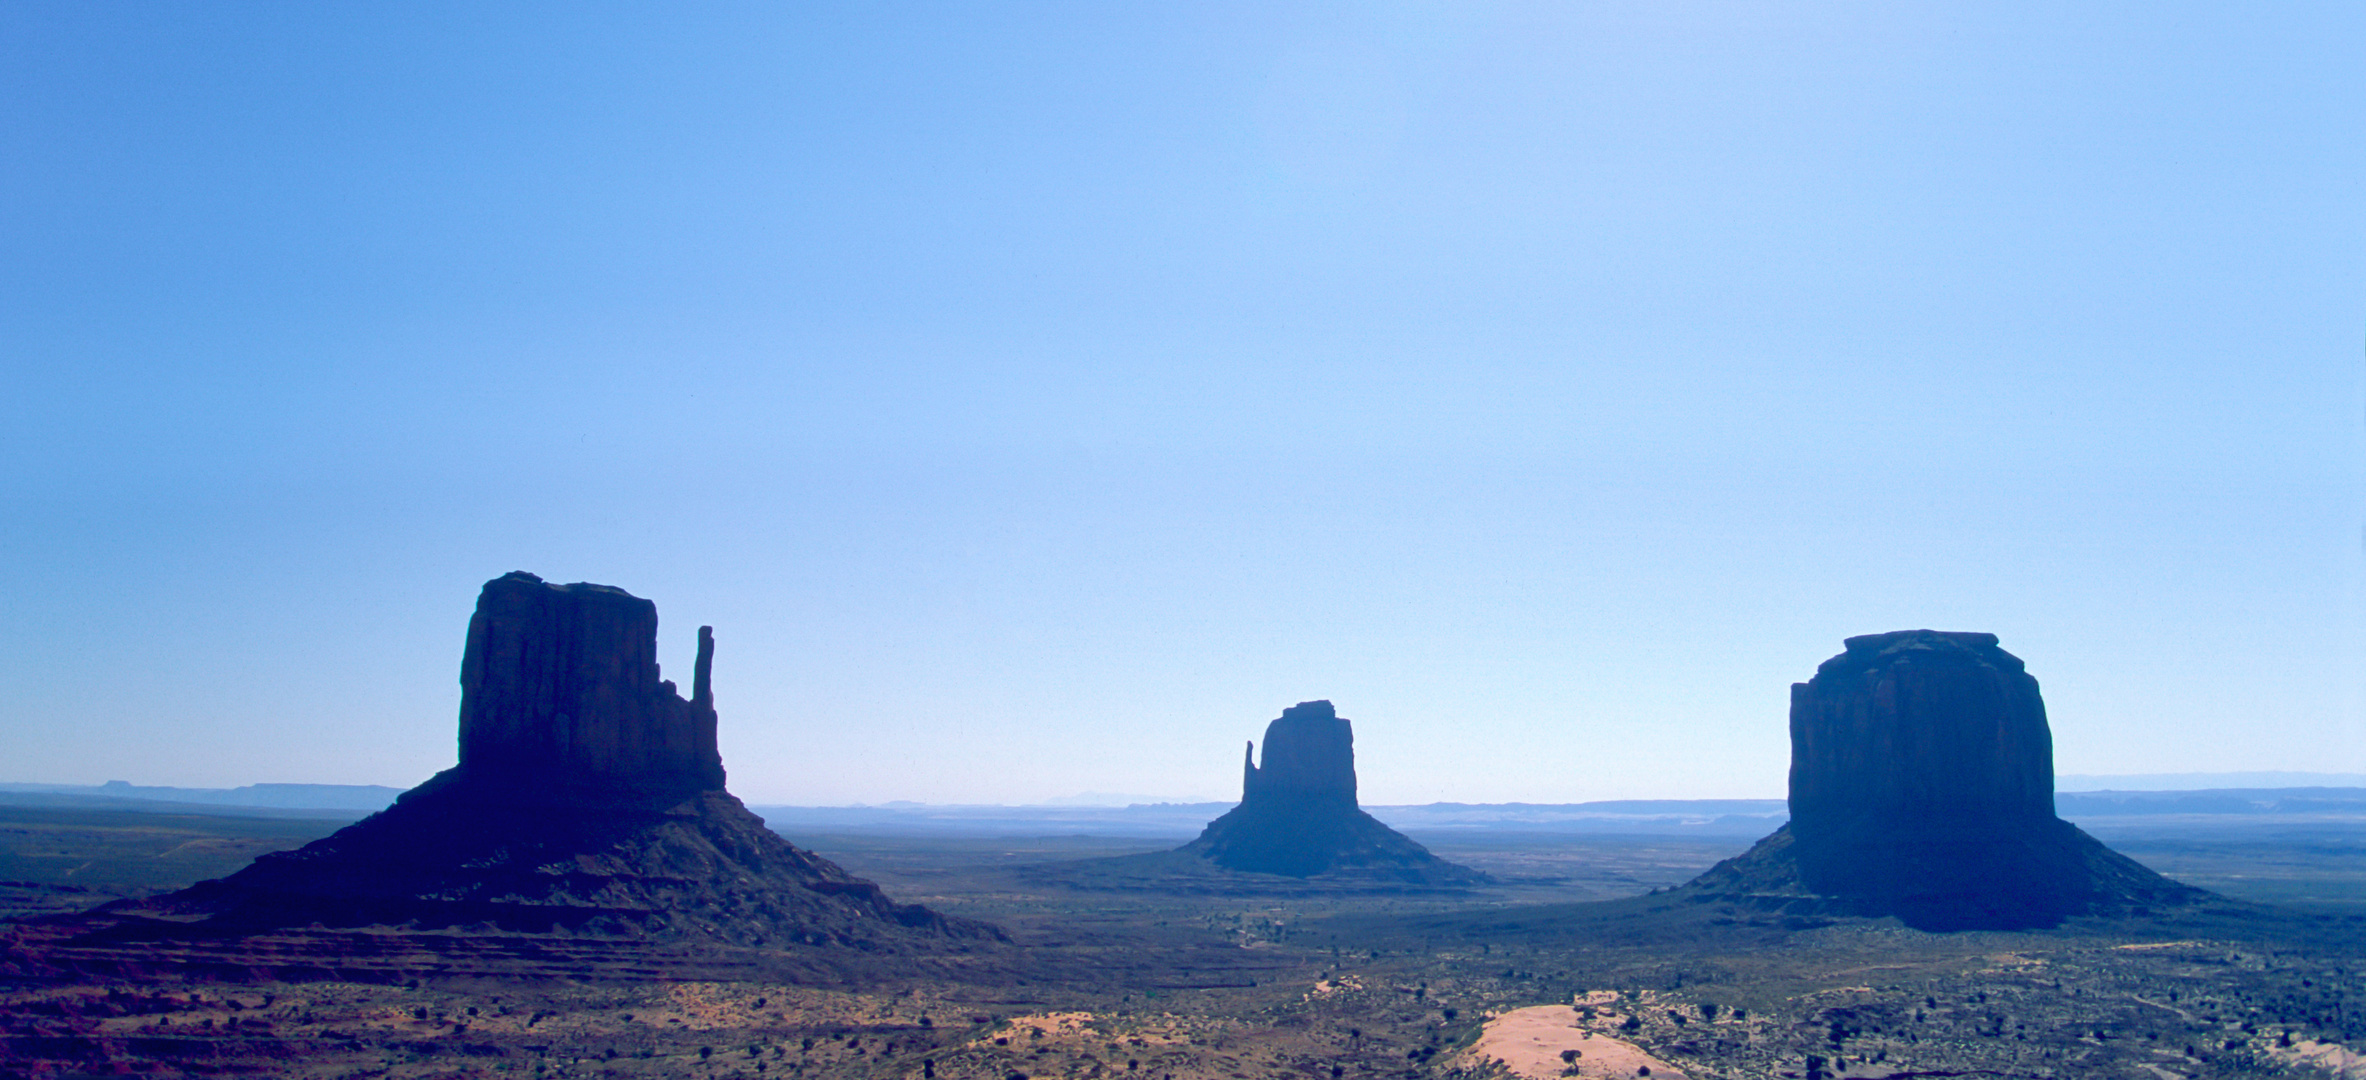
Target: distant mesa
(1922, 787)
(1298, 816)
(588, 799)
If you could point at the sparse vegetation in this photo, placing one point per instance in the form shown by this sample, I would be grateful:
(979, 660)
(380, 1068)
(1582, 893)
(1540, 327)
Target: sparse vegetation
(1319, 985)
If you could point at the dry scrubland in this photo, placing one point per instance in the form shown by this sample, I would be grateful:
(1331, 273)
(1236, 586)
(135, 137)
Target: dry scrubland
(1111, 983)
(580, 897)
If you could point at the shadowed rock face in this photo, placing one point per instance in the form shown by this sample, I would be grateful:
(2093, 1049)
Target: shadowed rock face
(560, 698)
(1920, 726)
(1310, 760)
(1922, 786)
(1298, 815)
(588, 800)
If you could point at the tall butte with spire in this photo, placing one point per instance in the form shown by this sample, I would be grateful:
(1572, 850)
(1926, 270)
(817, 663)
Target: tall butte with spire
(1922, 787)
(560, 699)
(588, 798)
(1298, 815)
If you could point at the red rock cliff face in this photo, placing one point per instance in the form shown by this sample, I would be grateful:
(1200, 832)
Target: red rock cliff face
(1920, 726)
(560, 697)
(1310, 759)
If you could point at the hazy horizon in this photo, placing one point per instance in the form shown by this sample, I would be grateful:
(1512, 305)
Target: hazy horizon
(1039, 398)
(1089, 800)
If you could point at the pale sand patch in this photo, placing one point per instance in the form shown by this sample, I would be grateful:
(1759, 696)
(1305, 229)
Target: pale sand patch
(1037, 1026)
(1057, 1023)
(1326, 987)
(2334, 1058)
(1529, 1042)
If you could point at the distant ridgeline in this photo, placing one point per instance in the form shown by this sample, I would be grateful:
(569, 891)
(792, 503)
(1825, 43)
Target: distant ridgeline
(2226, 781)
(1740, 818)
(1736, 818)
(361, 798)
(1728, 818)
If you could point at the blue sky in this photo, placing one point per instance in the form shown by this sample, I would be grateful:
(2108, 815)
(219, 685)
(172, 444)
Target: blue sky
(1037, 398)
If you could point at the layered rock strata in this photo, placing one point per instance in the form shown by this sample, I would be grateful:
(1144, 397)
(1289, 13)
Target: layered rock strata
(1298, 815)
(1922, 786)
(588, 798)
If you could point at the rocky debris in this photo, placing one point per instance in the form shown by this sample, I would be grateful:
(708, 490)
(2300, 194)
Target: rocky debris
(588, 800)
(1922, 773)
(1298, 815)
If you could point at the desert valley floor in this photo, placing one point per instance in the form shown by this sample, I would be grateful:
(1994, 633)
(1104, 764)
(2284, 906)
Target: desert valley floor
(1574, 964)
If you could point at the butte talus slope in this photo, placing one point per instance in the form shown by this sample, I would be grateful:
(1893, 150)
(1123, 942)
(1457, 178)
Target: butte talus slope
(1922, 787)
(588, 800)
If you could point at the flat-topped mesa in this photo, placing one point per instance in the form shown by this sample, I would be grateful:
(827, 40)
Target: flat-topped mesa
(560, 697)
(1310, 759)
(1922, 787)
(1920, 727)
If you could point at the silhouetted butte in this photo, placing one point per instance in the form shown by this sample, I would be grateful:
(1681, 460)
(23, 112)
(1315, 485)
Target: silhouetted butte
(588, 798)
(1298, 815)
(1922, 786)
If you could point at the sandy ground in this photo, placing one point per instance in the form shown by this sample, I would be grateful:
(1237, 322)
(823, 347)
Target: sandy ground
(2334, 1058)
(1530, 1043)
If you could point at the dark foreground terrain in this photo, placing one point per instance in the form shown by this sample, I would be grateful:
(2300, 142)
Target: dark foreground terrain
(1274, 981)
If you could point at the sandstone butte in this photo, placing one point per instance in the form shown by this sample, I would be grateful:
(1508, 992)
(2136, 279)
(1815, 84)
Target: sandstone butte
(1922, 787)
(588, 800)
(1298, 815)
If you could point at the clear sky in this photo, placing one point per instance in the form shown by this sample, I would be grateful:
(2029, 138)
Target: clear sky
(1037, 398)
